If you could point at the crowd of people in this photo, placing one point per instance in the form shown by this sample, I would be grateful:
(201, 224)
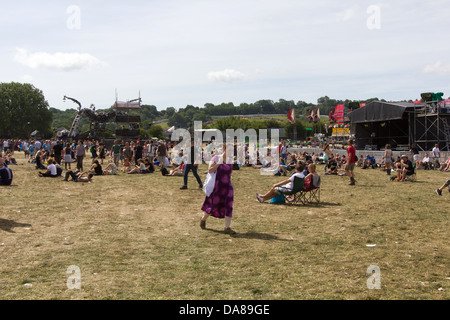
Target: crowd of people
(143, 157)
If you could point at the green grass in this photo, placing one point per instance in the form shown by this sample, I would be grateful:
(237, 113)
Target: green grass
(138, 237)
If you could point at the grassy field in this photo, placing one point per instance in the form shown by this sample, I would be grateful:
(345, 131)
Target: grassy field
(138, 237)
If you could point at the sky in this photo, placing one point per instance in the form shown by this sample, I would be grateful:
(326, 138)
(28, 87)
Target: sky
(175, 53)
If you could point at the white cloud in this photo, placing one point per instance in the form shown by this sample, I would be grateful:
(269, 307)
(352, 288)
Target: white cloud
(438, 68)
(27, 78)
(346, 15)
(56, 61)
(227, 75)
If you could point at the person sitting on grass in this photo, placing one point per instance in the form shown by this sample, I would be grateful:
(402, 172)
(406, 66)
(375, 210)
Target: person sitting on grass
(284, 186)
(282, 168)
(110, 169)
(9, 159)
(425, 162)
(126, 167)
(332, 166)
(406, 169)
(78, 176)
(52, 171)
(178, 171)
(39, 159)
(6, 174)
(140, 168)
(149, 166)
(445, 167)
(445, 185)
(96, 168)
(369, 162)
(291, 162)
(342, 162)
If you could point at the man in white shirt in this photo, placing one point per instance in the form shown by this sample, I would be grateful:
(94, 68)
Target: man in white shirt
(283, 186)
(436, 151)
(426, 162)
(25, 147)
(436, 155)
(51, 172)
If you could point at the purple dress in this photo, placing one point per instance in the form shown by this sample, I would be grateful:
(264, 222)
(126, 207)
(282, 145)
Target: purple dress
(220, 203)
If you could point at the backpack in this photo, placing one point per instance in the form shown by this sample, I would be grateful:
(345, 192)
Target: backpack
(279, 198)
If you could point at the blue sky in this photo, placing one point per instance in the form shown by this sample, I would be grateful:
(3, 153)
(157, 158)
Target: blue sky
(177, 53)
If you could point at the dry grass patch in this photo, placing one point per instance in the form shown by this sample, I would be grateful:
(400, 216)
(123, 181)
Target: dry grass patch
(138, 237)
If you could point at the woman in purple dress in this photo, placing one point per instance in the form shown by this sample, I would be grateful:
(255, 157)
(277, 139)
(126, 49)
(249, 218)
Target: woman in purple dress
(220, 203)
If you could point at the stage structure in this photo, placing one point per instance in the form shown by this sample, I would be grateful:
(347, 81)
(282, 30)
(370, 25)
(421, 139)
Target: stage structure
(339, 118)
(401, 125)
(99, 120)
(432, 123)
(128, 119)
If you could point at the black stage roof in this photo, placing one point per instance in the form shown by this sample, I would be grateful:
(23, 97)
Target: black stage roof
(377, 111)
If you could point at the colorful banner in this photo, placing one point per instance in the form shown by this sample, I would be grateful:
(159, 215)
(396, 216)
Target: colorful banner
(339, 113)
(291, 115)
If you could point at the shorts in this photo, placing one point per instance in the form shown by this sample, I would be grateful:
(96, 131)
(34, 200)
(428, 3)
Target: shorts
(416, 157)
(350, 166)
(282, 190)
(116, 157)
(387, 160)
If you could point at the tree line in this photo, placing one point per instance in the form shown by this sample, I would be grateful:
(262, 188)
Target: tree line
(23, 109)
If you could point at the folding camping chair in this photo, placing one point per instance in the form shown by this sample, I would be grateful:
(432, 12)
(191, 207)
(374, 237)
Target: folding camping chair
(311, 196)
(295, 194)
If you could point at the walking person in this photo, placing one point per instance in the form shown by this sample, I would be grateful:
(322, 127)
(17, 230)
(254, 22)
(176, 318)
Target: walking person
(116, 152)
(138, 150)
(67, 151)
(80, 152)
(351, 160)
(436, 153)
(57, 152)
(388, 156)
(101, 149)
(415, 151)
(220, 203)
(445, 185)
(162, 154)
(191, 165)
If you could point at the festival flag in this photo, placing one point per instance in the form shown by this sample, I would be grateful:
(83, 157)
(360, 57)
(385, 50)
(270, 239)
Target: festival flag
(331, 117)
(317, 116)
(339, 113)
(309, 115)
(291, 115)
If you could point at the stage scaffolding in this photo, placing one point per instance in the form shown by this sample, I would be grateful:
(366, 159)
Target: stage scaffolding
(431, 126)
